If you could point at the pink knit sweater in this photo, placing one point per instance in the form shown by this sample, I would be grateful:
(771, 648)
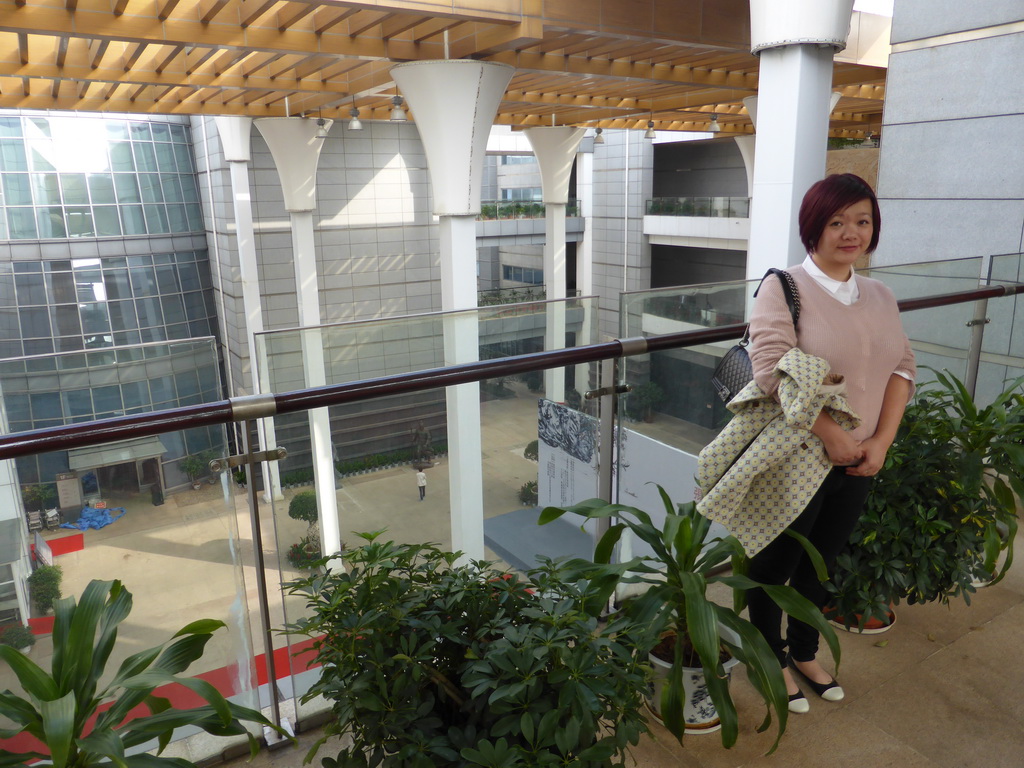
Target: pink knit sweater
(864, 342)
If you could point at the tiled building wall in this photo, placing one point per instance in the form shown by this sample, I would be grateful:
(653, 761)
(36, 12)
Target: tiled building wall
(622, 183)
(951, 173)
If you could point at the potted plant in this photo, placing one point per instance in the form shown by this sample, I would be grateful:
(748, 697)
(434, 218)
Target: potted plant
(44, 586)
(429, 661)
(942, 512)
(194, 468)
(306, 552)
(528, 493)
(676, 577)
(84, 717)
(17, 636)
(644, 399)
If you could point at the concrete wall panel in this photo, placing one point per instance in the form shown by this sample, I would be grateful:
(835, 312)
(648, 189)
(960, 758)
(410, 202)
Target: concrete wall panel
(922, 230)
(915, 19)
(966, 159)
(957, 81)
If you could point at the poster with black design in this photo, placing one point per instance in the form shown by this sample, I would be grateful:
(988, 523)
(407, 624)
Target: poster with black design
(567, 454)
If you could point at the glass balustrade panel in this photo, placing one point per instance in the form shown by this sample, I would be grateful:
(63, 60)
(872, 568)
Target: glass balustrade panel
(491, 453)
(147, 511)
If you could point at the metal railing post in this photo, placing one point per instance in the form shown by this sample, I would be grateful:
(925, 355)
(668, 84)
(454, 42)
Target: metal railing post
(977, 325)
(261, 576)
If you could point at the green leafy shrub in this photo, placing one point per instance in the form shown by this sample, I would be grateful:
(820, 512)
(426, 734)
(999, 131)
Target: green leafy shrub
(531, 450)
(304, 553)
(303, 507)
(61, 707)
(534, 380)
(17, 636)
(44, 586)
(528, 493)
(297, 477)
(39, 496)
(194, 467)
(431, 663)
(943, 507)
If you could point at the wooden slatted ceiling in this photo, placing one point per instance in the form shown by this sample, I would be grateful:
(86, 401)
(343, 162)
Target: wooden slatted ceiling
(277, 57)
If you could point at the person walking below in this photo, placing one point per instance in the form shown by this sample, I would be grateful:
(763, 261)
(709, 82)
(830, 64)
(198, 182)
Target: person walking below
(421, 483)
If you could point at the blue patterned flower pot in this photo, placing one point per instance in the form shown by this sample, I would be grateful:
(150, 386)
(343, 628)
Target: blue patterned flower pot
(699, 711)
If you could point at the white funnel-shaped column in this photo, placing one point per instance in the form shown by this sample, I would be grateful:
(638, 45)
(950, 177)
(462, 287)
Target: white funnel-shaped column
(454, 103)
(796, 41)
(555, 149)
(295, 147)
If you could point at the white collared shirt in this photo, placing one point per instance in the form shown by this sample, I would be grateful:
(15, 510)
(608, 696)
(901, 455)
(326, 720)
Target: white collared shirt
(845, 291)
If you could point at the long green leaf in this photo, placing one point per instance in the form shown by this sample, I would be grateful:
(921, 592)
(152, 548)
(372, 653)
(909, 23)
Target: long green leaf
(180, 654)
(147, 681)
(702, 628)
(106, 743)
(77, 671)
(812, 554)
(606, 546)
(34, 681)
(796, 605)
(59, 727)
(763, 670)
(152, 761)
(116, 611)
(63, 613)
(19, 759)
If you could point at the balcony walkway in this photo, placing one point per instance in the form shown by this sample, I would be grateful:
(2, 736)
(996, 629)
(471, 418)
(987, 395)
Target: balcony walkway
(944, 688)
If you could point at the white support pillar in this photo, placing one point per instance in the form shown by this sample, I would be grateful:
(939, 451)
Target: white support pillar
(235, 133)
(294, 144)
(454, 102)
(554, 279)
(555, 149)
(796, 41)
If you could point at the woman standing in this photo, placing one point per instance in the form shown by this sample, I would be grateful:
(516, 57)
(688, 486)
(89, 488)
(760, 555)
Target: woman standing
(853, 323)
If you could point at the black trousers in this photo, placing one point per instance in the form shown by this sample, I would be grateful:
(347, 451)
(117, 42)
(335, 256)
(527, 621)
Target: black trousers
(827, 522)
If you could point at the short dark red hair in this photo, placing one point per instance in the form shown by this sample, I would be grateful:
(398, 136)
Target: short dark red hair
(828, 197)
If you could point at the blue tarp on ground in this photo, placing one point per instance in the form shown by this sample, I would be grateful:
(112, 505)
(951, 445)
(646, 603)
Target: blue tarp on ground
(95, 518)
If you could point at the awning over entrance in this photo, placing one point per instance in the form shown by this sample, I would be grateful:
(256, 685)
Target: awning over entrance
(136, 449)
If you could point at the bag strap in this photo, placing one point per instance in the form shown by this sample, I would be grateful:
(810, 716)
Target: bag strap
(788, 290)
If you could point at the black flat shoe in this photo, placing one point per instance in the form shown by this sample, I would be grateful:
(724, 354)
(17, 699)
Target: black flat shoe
(830, 691)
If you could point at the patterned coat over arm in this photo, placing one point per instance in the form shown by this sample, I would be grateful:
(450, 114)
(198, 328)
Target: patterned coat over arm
(758, 475)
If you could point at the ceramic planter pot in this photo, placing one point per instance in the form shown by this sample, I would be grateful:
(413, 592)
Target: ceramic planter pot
(699, 711)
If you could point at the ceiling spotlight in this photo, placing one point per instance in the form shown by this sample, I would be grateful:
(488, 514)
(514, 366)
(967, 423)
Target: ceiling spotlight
(397, 113)
(321, 128)
(649, 133)
(598, 138)
(354, 124)
(713, 126)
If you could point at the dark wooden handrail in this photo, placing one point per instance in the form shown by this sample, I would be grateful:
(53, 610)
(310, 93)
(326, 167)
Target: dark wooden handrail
(236, 409)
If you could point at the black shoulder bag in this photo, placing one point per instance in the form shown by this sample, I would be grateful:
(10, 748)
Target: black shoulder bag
(734, 371)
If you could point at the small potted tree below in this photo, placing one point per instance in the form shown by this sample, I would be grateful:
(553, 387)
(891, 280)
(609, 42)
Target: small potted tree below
(194, 468)
(306, 552)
